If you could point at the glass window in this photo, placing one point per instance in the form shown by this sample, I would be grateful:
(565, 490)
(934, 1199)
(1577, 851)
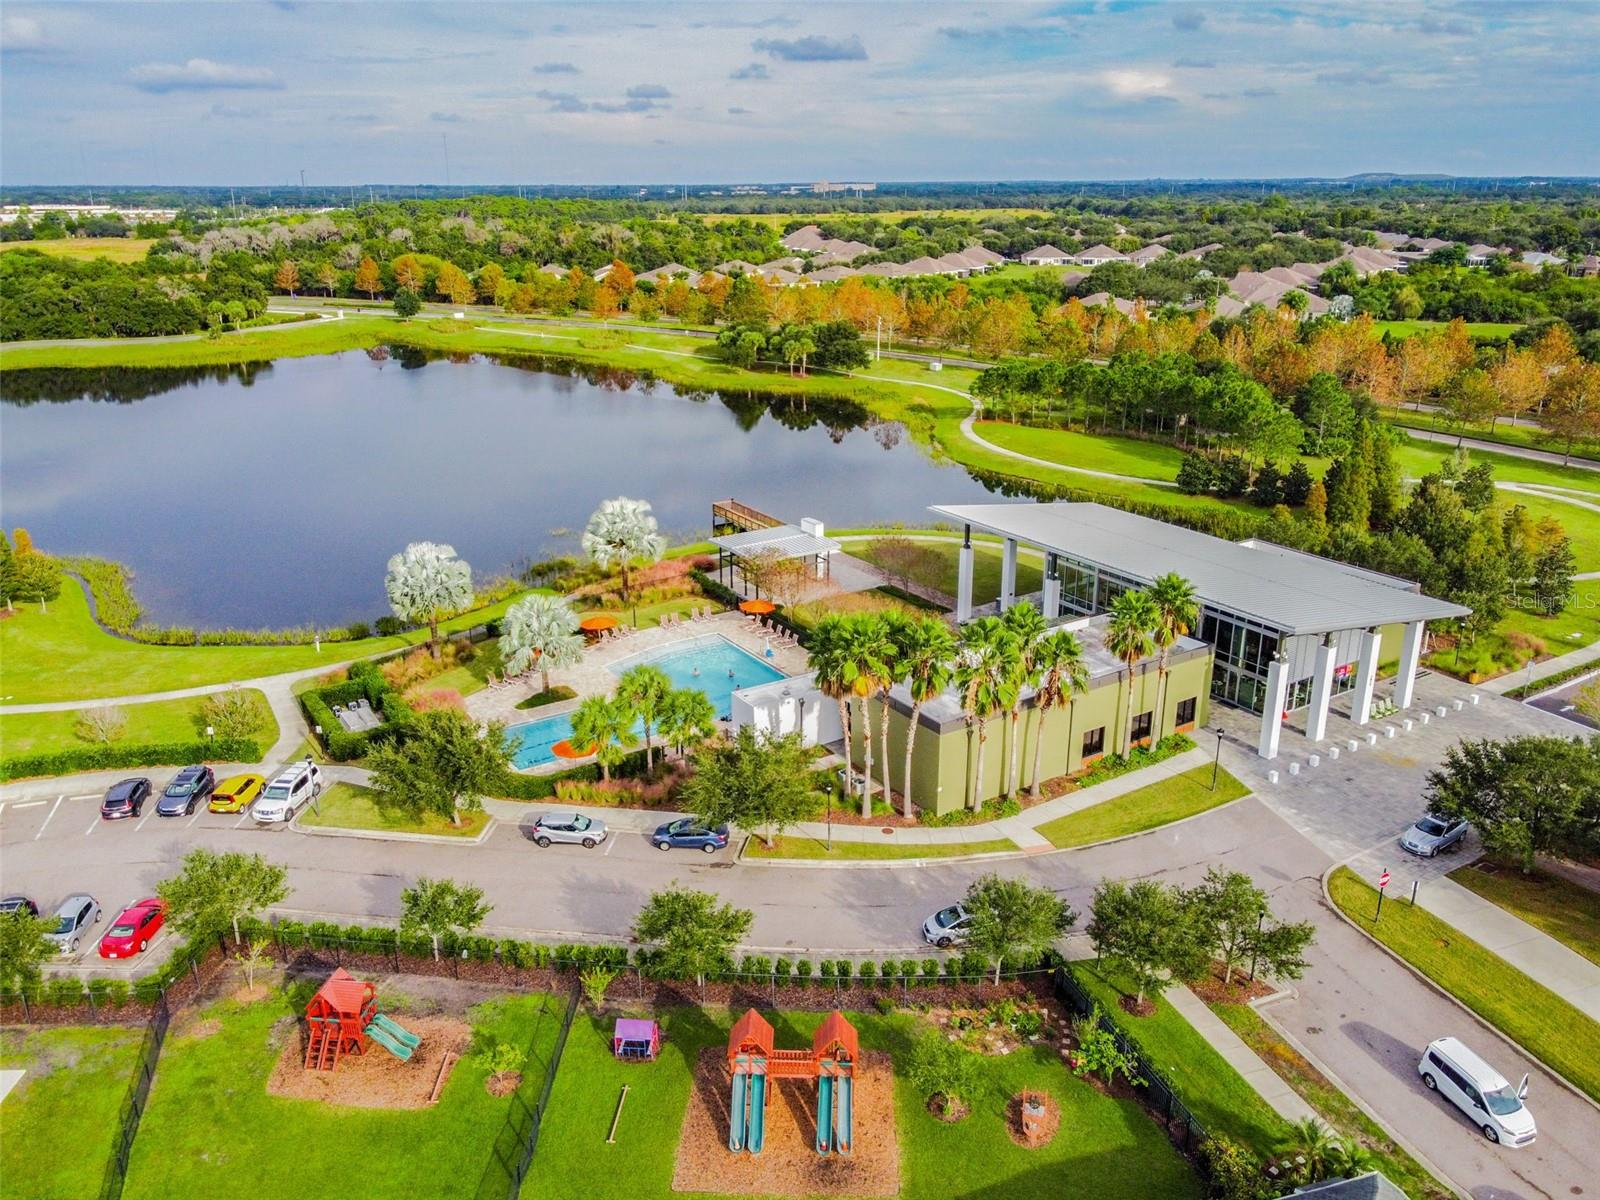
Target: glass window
(1186, 711)
(1141, 725)
(1094, 742)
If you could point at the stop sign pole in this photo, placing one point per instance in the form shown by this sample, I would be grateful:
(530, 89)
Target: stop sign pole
(1383, 883)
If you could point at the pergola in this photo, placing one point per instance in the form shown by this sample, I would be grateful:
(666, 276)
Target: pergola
(736, 550)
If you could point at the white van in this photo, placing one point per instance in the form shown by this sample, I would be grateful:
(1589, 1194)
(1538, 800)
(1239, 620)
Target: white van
(292, 790)
(1478, 1090)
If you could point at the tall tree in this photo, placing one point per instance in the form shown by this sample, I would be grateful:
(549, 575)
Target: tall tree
(1129, 636)
(644, 689)
(24, 948)
(691, 934)
(867, 655)
(606, 723)
(1232, 913)
(426, 582)
(755, 781)
(444, 766)
(1063, 674)
(1145, 931)
(367, 278)
(827, 657)
(924, 660)
(686, 716)
(1012, 919)
(287, 276)
(620, 533)
(1027, 625)
(213, 892)
(1177, 612)
(540, 630)
(438, 907)
(1572, 412)
(986, 673)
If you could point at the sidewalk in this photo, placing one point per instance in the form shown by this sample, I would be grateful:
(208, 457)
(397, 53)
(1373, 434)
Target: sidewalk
(1268, 1084)
(1543, 670)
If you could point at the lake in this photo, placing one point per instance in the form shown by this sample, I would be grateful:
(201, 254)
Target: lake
(274, 494)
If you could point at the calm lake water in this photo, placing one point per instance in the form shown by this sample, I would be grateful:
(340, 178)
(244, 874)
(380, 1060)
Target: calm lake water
(275, 494)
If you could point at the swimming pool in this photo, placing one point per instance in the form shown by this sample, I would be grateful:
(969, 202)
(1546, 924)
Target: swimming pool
(710, 664)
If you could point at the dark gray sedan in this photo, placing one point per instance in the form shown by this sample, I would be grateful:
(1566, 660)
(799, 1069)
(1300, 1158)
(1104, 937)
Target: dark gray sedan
(1433, 834)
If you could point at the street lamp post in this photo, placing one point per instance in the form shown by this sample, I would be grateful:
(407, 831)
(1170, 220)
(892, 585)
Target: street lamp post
(1217, 761)
(1256, 945)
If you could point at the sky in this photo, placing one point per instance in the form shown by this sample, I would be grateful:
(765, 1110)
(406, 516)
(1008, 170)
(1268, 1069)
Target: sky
(253, 93)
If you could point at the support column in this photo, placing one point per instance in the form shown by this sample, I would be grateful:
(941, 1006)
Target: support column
(1272, 713)
(1052, 587)
(1405, 684)
(1366, 676)
(964, 579)
(1321, 690)
(1008, 574)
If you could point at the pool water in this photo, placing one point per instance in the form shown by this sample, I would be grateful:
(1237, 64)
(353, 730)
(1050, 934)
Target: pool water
(710, 664)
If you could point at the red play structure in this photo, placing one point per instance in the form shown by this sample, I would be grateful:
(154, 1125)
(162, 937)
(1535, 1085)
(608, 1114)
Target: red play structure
(754, 1060)
(337, 1020)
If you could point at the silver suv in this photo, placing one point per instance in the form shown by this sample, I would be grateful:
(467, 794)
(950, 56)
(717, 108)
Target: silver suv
(74, 918)
(587, 832)
(293, 789)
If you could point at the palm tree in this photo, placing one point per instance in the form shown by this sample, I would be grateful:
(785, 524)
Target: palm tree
(606, 723)
(866, 653)
(1312, 1141)
(540, 629)
(644, 689)
(620, 532)
(825, 656)
(425, 582)
(925, 653)
(686, 715)
(1133, 616)
(1177, 612)
(1062, 675)
(986, 673)
(1027, 625)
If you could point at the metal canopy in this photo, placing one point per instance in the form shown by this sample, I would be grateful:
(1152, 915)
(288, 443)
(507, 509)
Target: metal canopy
(790, 541)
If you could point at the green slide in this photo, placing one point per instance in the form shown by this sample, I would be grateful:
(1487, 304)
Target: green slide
(394, 1038)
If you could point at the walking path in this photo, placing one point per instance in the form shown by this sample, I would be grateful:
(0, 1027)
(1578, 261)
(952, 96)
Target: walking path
(1501, 684)
(1471, 443)
(1266, 1082)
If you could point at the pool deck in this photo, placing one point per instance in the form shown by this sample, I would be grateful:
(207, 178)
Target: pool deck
(593, 675)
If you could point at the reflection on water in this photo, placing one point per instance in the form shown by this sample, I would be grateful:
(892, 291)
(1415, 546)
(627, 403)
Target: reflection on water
(273, 494)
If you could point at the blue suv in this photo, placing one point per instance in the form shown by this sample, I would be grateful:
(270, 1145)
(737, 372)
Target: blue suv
(687, 834)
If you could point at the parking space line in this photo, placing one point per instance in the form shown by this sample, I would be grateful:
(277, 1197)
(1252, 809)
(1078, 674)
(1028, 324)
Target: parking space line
(86, 796)
(243, 817)
(92, 828)
(143, 819)
(195, 818)
(611, 844)
(30, 803)
(46, 824)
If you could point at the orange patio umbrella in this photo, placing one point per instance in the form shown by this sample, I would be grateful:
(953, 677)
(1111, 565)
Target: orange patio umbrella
(756, 607)
(565, 749)
(597, 624)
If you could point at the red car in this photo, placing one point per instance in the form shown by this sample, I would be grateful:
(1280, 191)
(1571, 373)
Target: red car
(132, 932)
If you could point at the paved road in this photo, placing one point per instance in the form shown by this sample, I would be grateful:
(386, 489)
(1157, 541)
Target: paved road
(1357, 1009)
(1472, 443)
(1563, 700)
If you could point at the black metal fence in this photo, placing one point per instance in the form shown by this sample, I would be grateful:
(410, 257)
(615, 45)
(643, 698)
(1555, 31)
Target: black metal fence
(1156, 1091)
(519, 1137)
(132, 1111)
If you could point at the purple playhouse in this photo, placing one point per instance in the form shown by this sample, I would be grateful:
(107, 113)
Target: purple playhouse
(635, 1040)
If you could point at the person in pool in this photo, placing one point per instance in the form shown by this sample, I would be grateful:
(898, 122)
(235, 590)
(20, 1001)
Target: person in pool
(730, 672)
(697, 672)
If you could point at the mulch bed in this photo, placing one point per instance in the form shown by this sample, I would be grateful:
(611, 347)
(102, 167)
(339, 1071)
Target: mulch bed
(1241, 991)
(1048, 1124)
(789, 1164)
(376, 1079)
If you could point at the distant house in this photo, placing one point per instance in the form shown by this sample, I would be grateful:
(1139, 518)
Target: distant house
(984, 255)
(1095, 255)
(807, 238)
(667, 273)
(1589, 267)
(884, 270)
(1538, 258)
(1100, 299)
(1479, 254)
(930, 266)
(1201, 251)
(1046, 256)
(834, 250)
(734, 266)
(554, 269)
(1072, 279)
(1145, 255)
(830, 274)
(958, 263)
(794, 264)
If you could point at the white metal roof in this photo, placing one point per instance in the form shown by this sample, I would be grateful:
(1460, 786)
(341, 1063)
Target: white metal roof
(788, 540)
(1292, 592)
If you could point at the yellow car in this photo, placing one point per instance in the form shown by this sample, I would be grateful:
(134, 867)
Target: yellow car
(237, 793)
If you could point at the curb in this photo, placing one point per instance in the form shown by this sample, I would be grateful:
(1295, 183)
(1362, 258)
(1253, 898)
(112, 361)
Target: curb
(376, 835)
(1289, 993)
(1450, 996)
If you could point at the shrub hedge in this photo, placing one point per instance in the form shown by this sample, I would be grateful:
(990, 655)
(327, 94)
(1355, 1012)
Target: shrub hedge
(158, 754)
(366, 682)
(516, 786)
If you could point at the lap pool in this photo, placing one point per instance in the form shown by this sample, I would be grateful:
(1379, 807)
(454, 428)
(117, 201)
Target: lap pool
(710, 664)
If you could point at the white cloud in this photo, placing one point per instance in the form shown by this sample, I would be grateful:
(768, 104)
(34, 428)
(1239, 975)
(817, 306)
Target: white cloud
(201, 74)
(18, 35)
(1132, 84)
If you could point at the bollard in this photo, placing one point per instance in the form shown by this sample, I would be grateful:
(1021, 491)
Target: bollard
(1441, 710)
(1272, 777)
(1474, 697)
(1333, 752)
(1388, 731)
(1354, 745)
(1458, 704)
(1372, 738)
(1425, 717)
(1294, 768)
(1315, 760)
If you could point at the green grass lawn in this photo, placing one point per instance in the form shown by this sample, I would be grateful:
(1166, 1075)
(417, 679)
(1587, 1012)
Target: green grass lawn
(1494, 653)
(1418, 458)
(156, 721)
(796, 846)
(1492, 330)
(1218, 1095)
(121, 250)
(1095, 451)
(348, 806)
(1567, 912)
(63, 655)
(985, 568)
(61, 1120)
(1111, 1142)
(1158, 803)
(1332, 1105)
(211, 1129)
(1525, 1011)
(1502, 433)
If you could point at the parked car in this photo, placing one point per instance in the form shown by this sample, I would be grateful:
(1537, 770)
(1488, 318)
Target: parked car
(1432, 834)
(286, 795)
(20, 904)
(236, 793)
(132, 932)
(188, 788)
(688, 834)
(947, 926)
(125, 799)
(587, 832)
(1477, 1089)
(74, 917)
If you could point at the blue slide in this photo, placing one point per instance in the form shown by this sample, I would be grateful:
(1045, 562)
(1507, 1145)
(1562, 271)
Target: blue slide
(758, 1113)
(841, 1120)
(824, 1114)
(736, 1111)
